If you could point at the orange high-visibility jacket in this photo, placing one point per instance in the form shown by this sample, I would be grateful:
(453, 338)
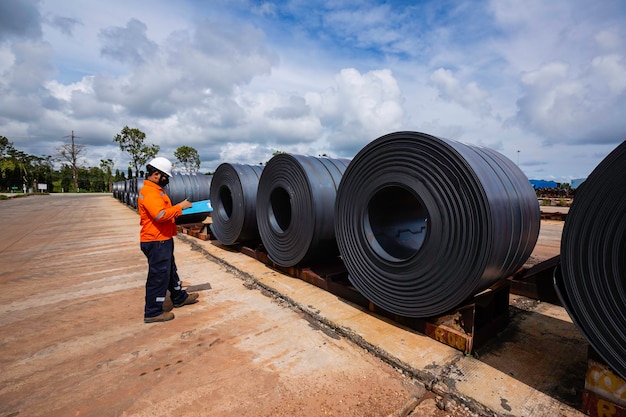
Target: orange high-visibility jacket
(157, 216)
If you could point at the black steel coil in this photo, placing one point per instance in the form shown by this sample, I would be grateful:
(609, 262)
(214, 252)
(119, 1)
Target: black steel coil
(233, 198)
(193, 187)
(591, 280)
(424, 223)
(135, 186)
(295, 207)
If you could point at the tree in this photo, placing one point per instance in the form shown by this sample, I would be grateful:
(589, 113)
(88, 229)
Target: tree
(6, 164)
(23, 161)
(189, 157)
(277, 152)
(42, 171)
(5, 146)
(66, 178)
(131, 141)
(119, 176)
(107, 167)
(71, 153)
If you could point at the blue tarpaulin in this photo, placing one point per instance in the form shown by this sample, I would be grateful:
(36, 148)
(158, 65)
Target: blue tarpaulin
(542, 184)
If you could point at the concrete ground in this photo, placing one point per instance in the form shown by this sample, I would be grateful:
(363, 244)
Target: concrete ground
(259, 343)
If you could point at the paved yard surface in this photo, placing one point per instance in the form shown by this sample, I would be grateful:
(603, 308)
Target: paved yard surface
(258, 344)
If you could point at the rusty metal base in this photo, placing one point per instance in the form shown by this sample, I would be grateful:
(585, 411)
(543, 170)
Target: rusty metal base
(464, 328)
(537, 282)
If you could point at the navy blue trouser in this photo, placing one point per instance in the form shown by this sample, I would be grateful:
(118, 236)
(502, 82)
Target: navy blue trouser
(162, 276)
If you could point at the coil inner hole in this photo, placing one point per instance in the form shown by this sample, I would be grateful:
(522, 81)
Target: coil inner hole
(396, 223)
(280, 210)
(226, 206)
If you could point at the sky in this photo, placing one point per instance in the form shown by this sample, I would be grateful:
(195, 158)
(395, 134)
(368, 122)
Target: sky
(541, 82)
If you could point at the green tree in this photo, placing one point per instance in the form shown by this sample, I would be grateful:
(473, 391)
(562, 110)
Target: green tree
(23, 161)
(189, 157)
(66, 179)
(5, 146)
(6, 165)
(131, 140)
(42, 171)
(119, 176)
(277, 152)
(97, 180)
(107, 167)
(85, 180)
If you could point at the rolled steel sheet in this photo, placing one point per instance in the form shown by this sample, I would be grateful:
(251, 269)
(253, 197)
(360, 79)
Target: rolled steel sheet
(423, 223)
(127, 191)
(295, 206)
(193, 187)
(201, 189)
(233, 197)
(117, 189)
(135, 186)
(591, 280)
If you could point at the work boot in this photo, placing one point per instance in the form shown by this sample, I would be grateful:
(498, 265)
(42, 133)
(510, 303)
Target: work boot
(191, 299)
(167, 304)
(166, 316)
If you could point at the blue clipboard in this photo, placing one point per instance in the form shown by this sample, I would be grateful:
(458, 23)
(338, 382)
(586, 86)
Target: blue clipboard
(203, 206)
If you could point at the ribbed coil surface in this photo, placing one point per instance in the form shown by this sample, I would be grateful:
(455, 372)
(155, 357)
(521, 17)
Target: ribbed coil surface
(295, 207)
(193, 187)
(591, 281)
(233, 198)
(423, 223)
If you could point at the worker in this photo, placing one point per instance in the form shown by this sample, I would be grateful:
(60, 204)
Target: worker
(158, 227)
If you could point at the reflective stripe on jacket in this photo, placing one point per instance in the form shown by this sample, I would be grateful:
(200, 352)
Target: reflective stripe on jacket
(157, 216)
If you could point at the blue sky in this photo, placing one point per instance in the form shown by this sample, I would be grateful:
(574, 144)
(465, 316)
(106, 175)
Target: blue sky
(542, 82)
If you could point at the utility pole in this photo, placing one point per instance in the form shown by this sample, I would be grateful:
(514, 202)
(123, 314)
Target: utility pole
(73, 159)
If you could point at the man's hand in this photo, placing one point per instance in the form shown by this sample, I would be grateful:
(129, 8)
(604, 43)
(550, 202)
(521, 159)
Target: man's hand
(185, 204)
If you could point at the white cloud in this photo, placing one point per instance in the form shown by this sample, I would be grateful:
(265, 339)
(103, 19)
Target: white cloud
(612, 70)
(240, 79)
(609, 39)
(359, 108)
(563, 106)
(470, 96)
(246, 153)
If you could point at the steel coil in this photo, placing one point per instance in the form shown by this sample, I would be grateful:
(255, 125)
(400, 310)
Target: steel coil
(424, 223)
(295, 207)
(233, 198)
(193, 187)
(591, 280)
(135, 186)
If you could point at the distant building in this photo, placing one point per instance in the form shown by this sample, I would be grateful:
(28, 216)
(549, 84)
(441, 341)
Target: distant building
(575, 183)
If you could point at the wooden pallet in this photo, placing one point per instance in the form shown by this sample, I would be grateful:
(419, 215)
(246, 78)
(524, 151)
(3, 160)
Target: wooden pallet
(560, 216)
(464, 328)
(201, 231)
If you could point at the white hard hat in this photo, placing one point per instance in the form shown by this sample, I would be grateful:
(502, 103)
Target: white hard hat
(162, 164)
